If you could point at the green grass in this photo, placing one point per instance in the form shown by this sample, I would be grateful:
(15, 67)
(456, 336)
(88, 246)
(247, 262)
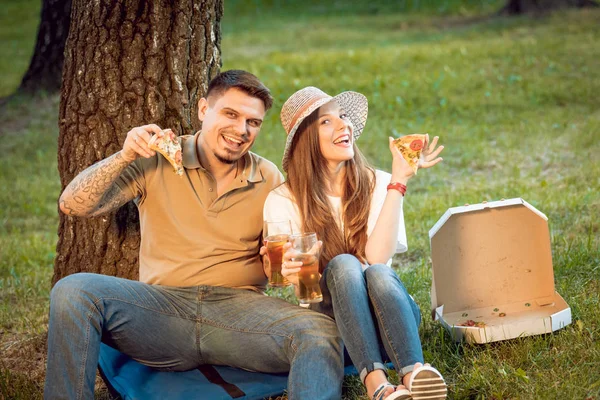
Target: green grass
(515, 101)
(18, 32)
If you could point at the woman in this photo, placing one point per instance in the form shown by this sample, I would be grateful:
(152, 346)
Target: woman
(357, 213)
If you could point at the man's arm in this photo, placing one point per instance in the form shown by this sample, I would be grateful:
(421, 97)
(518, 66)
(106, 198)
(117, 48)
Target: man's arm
(94, 191)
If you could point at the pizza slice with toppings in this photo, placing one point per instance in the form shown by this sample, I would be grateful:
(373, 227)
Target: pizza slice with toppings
(411, 146)
(168, 145)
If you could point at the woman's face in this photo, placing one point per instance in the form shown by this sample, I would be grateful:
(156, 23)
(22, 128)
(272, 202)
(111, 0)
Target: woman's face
(335, 134)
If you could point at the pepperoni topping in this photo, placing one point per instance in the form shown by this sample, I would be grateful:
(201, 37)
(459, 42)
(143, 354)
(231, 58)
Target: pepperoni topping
(416, 145)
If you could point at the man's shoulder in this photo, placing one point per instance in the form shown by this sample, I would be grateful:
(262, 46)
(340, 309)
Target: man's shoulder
(267, 168)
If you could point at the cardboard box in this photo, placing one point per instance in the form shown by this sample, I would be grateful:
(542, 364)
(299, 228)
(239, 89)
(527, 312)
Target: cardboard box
(492, 264)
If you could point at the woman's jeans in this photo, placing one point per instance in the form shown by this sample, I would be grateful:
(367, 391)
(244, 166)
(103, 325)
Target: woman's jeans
(178, 329)
(371, 308)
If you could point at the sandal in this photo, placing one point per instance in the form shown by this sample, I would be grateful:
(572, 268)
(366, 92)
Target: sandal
(401, 394)
(426, 382)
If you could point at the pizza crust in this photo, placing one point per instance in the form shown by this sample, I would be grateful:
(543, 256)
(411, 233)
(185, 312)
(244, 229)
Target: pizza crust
(168, 145)
(411, 146)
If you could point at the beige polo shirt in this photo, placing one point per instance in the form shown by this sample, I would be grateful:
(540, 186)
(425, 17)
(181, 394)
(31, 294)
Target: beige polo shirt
(192, 237)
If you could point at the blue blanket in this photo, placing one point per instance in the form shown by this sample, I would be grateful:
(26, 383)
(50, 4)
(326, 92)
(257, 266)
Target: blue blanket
(132, 380)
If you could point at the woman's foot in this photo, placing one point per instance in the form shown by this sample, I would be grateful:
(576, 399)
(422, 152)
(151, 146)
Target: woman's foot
(383, 391)
(425, 382)
(378, 388)
(376, 384)
(387, 391)
(406, 378)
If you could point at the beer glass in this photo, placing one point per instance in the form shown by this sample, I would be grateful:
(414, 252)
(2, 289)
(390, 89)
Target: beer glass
(276, 234)
(306, 250)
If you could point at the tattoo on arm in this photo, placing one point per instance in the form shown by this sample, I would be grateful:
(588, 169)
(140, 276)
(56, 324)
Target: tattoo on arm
(112, 200)
(93, 191)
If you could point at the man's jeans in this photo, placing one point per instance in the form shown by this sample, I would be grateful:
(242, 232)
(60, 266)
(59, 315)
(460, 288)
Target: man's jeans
(178, 329)
(371, 308)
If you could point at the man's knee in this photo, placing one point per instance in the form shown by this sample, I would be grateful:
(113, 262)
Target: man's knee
(319, 331)
(70, 290)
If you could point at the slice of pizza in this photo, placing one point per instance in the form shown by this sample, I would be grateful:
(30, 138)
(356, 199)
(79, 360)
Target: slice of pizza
(168, 145)
(411, 146)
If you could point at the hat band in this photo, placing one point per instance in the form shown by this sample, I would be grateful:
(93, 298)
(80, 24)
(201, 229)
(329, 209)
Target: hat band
(302, 111)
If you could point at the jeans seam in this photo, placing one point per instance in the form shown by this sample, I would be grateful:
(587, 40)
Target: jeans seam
(146, 308)
(198, 325)
(333, 278)
(87, 343)
(385, 328)
(289, 387)
(230, 328)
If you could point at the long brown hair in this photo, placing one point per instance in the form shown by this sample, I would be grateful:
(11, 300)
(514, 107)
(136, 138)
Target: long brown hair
(307, 182)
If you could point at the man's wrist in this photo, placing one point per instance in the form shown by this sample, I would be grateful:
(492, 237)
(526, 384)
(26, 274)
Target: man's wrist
(124, 157)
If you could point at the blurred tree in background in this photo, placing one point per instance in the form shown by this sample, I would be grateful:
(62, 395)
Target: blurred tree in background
(45, 68)
(514, 7)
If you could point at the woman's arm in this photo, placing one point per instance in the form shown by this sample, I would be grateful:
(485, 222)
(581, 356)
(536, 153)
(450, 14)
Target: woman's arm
(381, 244)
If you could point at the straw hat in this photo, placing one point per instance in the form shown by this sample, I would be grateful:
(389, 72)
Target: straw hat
(305, 101)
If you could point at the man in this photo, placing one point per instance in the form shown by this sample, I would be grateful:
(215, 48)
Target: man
(199, 297)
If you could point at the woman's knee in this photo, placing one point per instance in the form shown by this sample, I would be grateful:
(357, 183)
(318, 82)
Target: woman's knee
(384, 285)
(344, 267)
(344, 262)
(382, 278)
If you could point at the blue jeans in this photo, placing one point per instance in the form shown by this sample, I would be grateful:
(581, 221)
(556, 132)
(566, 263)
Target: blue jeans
(178, 329)
(374, 314)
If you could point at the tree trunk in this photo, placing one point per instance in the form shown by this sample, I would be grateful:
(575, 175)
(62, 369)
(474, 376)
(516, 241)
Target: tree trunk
(516, 7)
(127, 63)
(45, 68)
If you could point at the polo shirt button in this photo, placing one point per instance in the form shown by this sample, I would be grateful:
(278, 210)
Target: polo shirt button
(210, 189)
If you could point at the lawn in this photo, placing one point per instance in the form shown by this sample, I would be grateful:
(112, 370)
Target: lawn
(515, 101)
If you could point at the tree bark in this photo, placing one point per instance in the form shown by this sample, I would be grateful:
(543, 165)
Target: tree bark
(517, 7)
(45, 68)
(127, 63)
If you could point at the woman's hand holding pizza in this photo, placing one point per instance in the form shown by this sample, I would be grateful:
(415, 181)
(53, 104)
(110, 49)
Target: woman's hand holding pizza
(136, 142)
(429, 155)
(402, 170)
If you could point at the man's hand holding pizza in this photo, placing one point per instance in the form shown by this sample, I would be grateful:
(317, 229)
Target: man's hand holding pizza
(136, 142)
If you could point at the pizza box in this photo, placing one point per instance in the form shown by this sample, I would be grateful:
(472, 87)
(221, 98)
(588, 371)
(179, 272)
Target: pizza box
(492, 265)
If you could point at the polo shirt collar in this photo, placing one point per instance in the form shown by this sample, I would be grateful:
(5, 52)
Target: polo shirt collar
(191, 160)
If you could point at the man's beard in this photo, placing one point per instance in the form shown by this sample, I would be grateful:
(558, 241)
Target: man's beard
(225, 160)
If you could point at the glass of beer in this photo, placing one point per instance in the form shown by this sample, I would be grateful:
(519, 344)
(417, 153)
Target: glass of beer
(276, 234)
(307, 251)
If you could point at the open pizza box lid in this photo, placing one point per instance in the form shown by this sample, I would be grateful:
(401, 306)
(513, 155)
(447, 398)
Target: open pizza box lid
(492, 265)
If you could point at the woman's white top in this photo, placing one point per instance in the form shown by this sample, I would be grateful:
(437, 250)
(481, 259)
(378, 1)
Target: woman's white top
(281, 206)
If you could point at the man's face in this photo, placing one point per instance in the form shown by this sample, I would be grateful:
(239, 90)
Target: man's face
(230, 124)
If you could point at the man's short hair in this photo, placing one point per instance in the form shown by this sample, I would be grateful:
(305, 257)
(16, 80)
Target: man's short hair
(242, 80)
